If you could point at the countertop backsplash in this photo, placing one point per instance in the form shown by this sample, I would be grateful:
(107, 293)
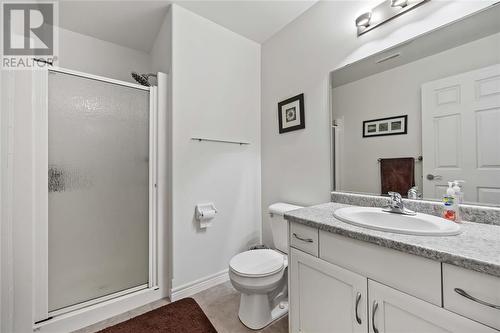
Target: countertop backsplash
(471, 213)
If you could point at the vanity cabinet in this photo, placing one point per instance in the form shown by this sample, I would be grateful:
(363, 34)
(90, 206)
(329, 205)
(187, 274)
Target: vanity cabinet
(417, 276)
(355, 286)
(325, 297)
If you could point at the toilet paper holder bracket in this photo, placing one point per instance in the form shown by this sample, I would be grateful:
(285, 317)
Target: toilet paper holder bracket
(205, 210)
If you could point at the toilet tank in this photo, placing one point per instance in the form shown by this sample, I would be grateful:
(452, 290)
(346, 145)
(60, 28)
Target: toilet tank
(279, 225)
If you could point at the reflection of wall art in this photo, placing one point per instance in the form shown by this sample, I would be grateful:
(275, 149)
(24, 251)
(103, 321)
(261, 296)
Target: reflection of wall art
(291, 114)
(385, 126)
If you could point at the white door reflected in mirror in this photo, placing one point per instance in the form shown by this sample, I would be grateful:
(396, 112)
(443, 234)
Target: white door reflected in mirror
(461, 134)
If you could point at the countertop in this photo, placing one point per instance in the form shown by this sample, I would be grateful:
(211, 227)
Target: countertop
(476, 248)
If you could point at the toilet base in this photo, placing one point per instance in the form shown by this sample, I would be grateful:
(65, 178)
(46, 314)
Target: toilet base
(256, 312)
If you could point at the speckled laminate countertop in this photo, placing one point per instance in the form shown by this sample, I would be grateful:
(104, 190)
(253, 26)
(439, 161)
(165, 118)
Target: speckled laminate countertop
(476, 248)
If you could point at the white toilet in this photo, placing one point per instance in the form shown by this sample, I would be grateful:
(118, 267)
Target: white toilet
(261, 275)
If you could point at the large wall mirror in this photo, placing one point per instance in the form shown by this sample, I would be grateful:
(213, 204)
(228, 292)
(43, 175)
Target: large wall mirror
(421, 114)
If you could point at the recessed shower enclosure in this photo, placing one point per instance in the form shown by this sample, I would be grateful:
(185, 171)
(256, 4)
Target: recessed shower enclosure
(95, 152)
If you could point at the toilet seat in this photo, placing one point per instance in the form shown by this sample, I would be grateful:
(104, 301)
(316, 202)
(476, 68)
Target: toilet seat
(257, 263)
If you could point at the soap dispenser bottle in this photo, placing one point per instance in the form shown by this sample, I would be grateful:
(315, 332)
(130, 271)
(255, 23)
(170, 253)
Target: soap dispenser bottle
(450, 211)
(459, 197)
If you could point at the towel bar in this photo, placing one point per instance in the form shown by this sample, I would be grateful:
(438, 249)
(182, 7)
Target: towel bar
(418, 159)
(222, 141)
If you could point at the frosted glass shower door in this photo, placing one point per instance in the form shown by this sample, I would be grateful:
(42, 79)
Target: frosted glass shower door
(98, 200)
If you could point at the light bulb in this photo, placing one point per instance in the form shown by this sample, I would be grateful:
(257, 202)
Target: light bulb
(399, 3)
(363, 20)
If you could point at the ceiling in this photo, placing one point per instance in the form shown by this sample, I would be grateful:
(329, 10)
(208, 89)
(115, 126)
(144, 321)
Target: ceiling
(257, 20)
(135, 24)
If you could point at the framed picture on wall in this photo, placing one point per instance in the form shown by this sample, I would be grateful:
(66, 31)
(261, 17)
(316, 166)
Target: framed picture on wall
(291, 114)
(385, 126)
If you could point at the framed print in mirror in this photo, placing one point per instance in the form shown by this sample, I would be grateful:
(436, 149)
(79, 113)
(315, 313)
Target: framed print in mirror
(291, 114)
(385, 126)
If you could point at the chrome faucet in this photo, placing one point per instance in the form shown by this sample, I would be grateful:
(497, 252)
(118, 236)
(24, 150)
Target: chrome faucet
(397, 206)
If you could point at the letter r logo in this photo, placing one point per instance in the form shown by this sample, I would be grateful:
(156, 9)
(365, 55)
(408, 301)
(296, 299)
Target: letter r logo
(28, 29)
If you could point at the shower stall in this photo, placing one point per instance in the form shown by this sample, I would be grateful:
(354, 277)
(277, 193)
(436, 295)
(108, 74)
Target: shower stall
(96, 184)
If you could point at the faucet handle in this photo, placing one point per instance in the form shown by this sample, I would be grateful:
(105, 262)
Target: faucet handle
(397, 205)
(395, 196)
(413, 193)
(396, 199)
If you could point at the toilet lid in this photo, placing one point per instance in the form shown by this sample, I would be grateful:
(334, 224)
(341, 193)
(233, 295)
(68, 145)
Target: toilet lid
(257, 262)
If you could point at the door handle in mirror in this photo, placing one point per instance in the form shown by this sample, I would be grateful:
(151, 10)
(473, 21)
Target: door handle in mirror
(433, 177)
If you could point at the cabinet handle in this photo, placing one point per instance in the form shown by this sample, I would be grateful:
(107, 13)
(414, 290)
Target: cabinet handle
(374, 310)
(463, 293)
(358, 298)
(307, 240)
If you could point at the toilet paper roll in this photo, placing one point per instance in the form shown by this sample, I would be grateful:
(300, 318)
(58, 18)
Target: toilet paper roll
(207, 214)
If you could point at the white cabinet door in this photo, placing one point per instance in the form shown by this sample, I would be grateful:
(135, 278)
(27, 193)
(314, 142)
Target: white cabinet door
(392, 311)
(324, 297)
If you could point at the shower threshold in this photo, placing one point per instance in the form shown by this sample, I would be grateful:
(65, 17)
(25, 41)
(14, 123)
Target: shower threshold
(98, 300)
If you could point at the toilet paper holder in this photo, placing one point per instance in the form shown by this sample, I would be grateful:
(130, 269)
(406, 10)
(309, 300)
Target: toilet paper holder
(205, 211)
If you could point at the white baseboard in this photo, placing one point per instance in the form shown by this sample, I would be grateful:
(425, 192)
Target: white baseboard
(189, 289)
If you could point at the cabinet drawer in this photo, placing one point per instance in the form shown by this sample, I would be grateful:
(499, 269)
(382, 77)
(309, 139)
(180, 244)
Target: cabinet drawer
(472, 294)
(304, 238)
(411, 274)
(393, 311)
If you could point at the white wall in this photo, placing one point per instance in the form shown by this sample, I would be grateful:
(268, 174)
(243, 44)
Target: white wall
(296, 165)
(161, 53)
(216, 94)
(4, 268)
(91, 55)
(3, 204)
(359, 169)
(77, 52)
(161, 61)
(19, 225)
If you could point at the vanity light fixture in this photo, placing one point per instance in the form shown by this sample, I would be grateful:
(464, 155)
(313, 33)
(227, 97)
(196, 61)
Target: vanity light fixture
(384, 12)
(363, 20)
(389, 57)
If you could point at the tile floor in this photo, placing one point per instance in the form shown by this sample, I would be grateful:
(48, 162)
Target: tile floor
(220, 304)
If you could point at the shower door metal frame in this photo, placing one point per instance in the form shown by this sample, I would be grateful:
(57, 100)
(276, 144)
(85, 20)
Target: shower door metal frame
(40, 194)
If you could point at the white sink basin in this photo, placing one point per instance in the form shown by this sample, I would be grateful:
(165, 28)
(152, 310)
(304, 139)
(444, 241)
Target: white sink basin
(376, 218)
